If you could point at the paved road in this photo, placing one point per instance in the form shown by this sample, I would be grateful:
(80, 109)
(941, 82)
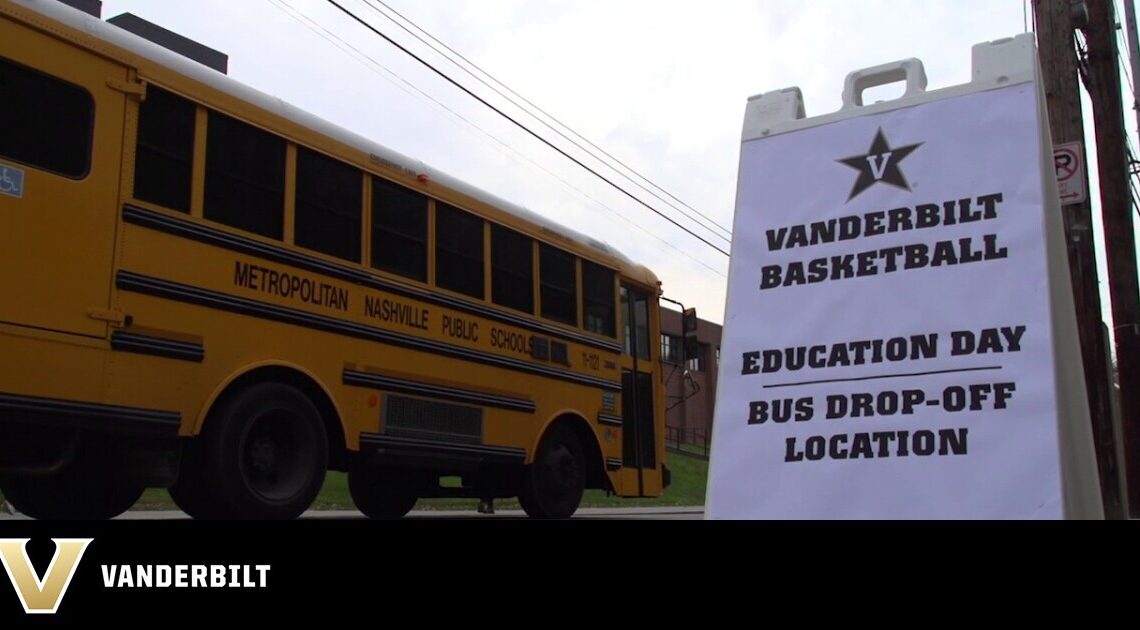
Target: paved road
(630, 513)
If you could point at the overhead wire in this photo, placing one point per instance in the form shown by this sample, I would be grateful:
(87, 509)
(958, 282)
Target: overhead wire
(410, 88)
(1126, 71)
(523, 127)
(436, 44)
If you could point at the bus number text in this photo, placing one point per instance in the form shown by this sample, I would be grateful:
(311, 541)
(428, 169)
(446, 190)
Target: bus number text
(591, 361)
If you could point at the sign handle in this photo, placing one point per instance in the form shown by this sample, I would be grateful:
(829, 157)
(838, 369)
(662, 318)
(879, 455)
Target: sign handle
(909, 70)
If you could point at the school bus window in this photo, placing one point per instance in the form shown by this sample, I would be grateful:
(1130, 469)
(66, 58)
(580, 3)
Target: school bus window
(512, 269)
(559, 286)
(328, 208)
(45, 122)
(458, 251)
(635, 311)
(164, 154)
(399, 230)
(598, 295)
(245, 176)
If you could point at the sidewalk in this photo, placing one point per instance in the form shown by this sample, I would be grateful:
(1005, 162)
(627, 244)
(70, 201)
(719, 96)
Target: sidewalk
(614, 513)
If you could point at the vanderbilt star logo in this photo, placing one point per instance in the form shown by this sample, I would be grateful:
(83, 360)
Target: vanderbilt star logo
(880, 164)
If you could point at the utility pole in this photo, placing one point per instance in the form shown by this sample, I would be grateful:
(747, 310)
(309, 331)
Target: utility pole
(1116, 211)
(1056, 49)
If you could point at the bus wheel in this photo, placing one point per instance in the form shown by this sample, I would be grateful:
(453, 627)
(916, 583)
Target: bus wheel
(190, 493)
(553, 485)
(88, 489)
(194, 501)
(266, 453)
(383, 494)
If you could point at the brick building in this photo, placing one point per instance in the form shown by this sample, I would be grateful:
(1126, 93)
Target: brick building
(690, 389)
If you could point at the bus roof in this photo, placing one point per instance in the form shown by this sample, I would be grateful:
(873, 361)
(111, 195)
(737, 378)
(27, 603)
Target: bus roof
(195, 71)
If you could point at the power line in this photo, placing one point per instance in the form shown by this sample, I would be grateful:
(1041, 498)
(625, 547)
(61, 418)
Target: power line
(360, 56)
(366, 59)
(1133, 173)
(523, 127)
(1082, 67)
(516, 95)
(548, 115)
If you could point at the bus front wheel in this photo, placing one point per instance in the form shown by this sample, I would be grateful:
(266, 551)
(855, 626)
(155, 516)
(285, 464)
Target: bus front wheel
(553, 485)
(190, 492)
(266, 453)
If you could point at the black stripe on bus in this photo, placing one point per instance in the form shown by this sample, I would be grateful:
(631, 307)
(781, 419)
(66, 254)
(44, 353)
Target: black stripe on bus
(157, 346)
(613, 421)
(138, 283)
(233, 242)
(388, 445)
(95, 416)
(613, 463)
(402, 386)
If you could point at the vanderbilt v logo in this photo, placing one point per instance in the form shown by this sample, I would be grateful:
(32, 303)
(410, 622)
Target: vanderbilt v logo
(42, 596)
(880, 165)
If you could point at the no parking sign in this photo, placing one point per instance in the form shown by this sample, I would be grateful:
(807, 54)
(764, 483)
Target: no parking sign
(1069, 163)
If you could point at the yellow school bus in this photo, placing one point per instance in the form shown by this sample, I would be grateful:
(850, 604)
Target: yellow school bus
(207, 290)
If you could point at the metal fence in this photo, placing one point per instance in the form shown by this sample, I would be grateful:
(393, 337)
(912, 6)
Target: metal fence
(689, 441)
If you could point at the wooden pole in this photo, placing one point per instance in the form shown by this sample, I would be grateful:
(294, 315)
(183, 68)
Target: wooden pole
(1055, 28)
(1116, 211)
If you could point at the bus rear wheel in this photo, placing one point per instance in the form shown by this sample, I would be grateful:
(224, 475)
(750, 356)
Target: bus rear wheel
(553, 485)
(90, 488)
(69, 498)
(383, 494)
(266, 454)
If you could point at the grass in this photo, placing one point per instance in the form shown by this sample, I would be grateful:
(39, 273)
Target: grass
(688, 489)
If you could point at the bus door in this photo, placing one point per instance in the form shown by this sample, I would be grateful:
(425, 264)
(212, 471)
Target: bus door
(640, 471)
(61, 142)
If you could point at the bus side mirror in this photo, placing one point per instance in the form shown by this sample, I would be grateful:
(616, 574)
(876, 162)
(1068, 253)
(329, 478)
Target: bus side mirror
(689, 329)
(689, 321)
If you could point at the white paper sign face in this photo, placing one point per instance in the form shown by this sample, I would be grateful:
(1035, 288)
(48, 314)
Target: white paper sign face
(887, 349)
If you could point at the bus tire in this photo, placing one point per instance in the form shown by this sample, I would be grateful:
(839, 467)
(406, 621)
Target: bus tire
(190, 492)
(382, 494)
(89, 488)
(266, 453)
(552, 486)
(194, 501)
(69, 498)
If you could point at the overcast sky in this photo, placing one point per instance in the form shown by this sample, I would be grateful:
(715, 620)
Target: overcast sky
(660, 84)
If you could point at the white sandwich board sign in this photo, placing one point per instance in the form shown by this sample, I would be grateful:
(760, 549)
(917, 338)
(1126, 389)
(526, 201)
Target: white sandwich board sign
(899, 337)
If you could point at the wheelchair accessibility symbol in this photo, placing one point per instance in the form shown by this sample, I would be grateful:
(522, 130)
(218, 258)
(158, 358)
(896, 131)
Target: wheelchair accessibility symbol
(11, 181)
